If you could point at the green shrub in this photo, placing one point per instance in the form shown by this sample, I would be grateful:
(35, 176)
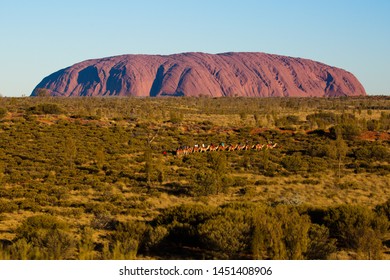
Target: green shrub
(29, 204)
(379, 152)
(372, 152)
(320, 245)
(175, 117)
(322, 119)
(86, 245)
(3, 112)
(46, 237)
(228, 233)
(358, 228)
(348, 185)
(348, 131)
(280, 233)
(287, 121)
(384, 121)
(384, 209)
(212, 180)
(45, 108)
(7, 206)
(372, 125)
(294, 163)
(205, 183)
(154, 237)
(183, 221)
(126, 240)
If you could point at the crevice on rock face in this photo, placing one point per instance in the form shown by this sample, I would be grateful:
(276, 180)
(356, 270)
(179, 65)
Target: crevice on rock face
(88, 76)
(157, 83)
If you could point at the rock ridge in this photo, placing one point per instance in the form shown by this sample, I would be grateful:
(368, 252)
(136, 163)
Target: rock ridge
(251, 74)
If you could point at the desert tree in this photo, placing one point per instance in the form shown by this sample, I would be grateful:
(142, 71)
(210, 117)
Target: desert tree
(320, 246)
(148, 164)
(358, 228)
(341, 152)
(280, 233)
(228, 233)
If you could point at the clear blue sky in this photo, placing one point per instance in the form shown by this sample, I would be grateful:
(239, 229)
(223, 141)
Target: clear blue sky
(40, 37)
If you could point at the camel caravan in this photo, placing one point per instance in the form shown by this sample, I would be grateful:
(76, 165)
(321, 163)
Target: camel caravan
(185, 150)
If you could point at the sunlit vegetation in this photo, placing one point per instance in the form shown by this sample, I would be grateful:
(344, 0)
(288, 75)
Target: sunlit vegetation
(98, 178)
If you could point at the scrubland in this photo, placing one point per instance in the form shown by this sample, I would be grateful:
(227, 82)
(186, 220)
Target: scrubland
(98, 178)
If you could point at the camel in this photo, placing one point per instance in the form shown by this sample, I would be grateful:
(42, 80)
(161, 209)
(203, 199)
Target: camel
(258, 147)
(270, 146)
(179, 152)
(204, 148)
(241, 147)
(222, 147)
(232, 147)
(183, 151)
(213, 148)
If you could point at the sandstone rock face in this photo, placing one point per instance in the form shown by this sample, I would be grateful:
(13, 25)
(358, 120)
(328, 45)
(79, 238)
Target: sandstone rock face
(201, 74)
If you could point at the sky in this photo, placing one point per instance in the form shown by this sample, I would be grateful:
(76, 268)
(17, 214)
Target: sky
(40, 37)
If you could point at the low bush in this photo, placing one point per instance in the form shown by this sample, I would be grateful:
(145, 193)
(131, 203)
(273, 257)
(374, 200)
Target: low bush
(7, 206)
(45, 108)
(3, 112)
(44, 237)
(358, 228)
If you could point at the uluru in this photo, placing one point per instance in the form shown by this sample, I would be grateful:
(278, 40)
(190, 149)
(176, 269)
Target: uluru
(251, 74)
